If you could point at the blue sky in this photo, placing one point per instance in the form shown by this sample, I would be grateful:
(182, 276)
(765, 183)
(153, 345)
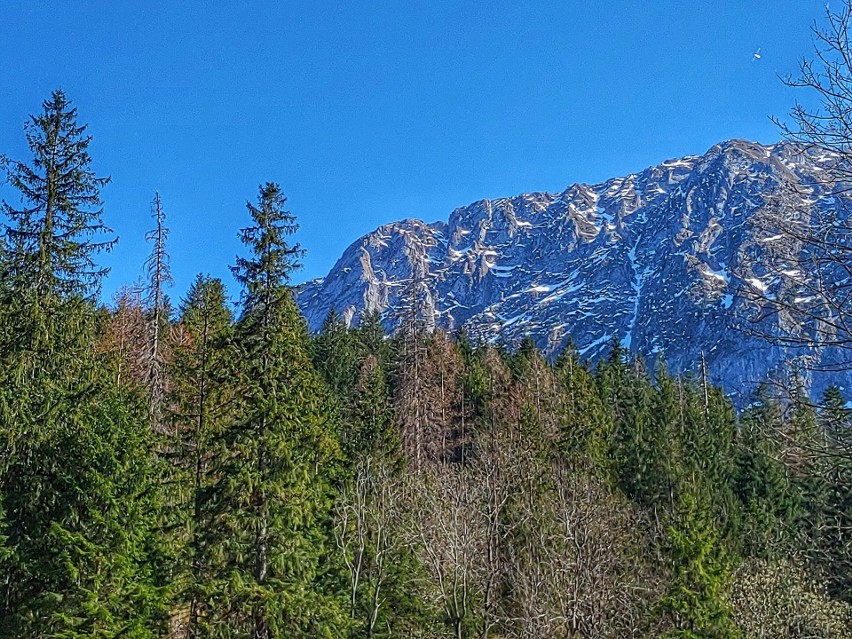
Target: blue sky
(368, 112)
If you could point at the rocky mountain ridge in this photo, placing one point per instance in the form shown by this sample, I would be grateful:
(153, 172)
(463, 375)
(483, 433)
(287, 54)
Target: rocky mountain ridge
(666, 261)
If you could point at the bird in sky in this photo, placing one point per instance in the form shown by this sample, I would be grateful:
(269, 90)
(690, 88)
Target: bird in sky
(756, 55)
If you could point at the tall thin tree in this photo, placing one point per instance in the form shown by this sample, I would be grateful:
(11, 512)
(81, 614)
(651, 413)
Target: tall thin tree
(280, 447)
(158, 271)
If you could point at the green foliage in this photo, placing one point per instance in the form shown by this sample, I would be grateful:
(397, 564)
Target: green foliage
(762, 483)
(335, 354)
(701, 571)
(78, 479)
(79, 488)
(272, 504)
(372, 338)
(353, 484)
(585, 423)
(53, 236)
(371, 424)
(199, 405)
(265, 273)
(640, 446)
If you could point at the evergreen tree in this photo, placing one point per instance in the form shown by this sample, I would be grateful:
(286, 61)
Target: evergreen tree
(199, 405)
(81, 499)
(372, 337)
(474, 391)
(273, 489)
(762, 482)
(611, 376)
(335, 355)
(662, 461)
(77, 477)
(585, 424)
(370, 421)
(834, 413)
(638, 447)
(57, 230)
(718, 455)
(696, 597)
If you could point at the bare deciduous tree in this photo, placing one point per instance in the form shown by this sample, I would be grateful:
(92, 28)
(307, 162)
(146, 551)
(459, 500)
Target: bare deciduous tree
(801, 287)
(125, 335)
(580, 572)
(368, 527)
(451, 540)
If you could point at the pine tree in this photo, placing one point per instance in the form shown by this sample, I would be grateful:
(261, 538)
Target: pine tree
(335, 355)
(696, 597)
(372, 337)
(81, 498)
(273, 492)
(834, 414)
(199, 404)
(637, 445)
(371, 427)
(77, 481)
(56, 231)
(585, 424)
(762, 483)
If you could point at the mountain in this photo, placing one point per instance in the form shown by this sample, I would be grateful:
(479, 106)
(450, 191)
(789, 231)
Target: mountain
(665, 261)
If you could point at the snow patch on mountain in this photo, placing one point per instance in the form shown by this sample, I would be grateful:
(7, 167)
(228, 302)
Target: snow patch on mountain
(654, 260)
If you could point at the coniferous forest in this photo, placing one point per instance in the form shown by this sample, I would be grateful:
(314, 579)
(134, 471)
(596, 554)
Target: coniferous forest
(208, 469)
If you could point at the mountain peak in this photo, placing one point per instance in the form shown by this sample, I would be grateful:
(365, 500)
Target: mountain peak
(652, 259)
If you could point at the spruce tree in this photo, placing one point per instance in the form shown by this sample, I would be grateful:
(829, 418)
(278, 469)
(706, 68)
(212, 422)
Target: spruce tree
(701, 570)
(199, 405)
(273, 491)
(372, 337)
(81, 499)
(769, 500)
(57, 229)
(371, 428)
(78, 481)
(718, 453)
(585, 425)
(834, 413)
(335, 355)
(637, 444)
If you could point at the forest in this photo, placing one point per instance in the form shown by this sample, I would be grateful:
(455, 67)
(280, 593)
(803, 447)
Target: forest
(210, 469)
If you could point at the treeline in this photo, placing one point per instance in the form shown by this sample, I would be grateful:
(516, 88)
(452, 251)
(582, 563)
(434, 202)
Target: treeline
(195, 472)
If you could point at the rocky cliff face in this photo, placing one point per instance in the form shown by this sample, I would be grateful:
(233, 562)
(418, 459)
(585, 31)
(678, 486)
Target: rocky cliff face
(666, 261)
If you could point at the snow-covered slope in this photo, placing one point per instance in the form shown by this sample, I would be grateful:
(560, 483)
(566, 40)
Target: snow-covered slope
(655, 260)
